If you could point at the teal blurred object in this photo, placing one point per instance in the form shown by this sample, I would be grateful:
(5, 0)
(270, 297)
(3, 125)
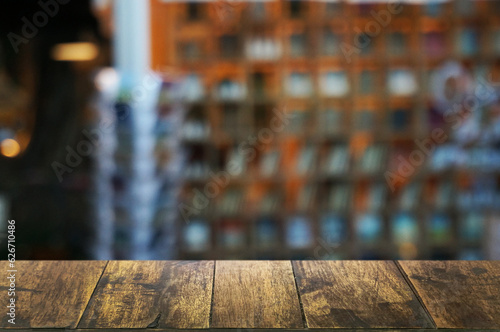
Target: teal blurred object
(468, 42)
(266, 232)
(471, 227)
(404, 228)
(369, 228)
(440, 229)
(197, 236)
(333, 229)
(299, 233)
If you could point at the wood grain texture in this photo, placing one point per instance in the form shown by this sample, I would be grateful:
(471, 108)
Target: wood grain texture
(155, 294)
(50, 294)
(458, 294)
(255, 294)
(354, 294)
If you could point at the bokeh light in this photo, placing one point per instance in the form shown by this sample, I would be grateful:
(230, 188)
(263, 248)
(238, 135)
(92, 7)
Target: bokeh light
(10, 148)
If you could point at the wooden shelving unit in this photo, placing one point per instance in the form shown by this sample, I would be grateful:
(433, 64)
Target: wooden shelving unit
(318, 189)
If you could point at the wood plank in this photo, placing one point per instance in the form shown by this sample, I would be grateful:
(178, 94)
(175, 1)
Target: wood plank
(50, 294)
(255, 294)
(458, 294)
(354, 294)
(162, 294)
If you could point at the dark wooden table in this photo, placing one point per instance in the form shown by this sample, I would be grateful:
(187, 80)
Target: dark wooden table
(256, 295)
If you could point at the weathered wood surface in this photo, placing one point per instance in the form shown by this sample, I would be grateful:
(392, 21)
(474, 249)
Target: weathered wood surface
(49, 294)
(245, 295)
(356, 294)
(255, 294)
(154, 294)
(458, 294)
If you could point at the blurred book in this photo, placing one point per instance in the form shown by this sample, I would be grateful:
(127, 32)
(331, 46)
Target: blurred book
(232, 234)
(373, 159)
(333, 8)
(445, 156)
(410, 196)
(330, 45)
(434, 43)
(263, 49)
(369, 228)
(197, 236)
(366, 82)
(298, 45)
(195, 129)
(471, 227)
(232, 120)
(397, 44)
(339, 197)
(337, 161)
(266, 233)
(270, 163)
(444, 195)
(228, 90)
(439, 229)
(434, 8)
(270, 204)
(333, 229)
(334, 84)
(331, 122)
(400, 120)
(306, 160)
(230, 202)
(192, 89)
(306, 197)
(236, 162)
(496, 41)
(471, 255)
(196, 170)
(229, 46)
(299, 233)
(364, 120)
(468, 42)
(298, 121)
(402, 82)
(404, 228)
(258, 10)
(260, 85)
(299, 85)
(377, 196)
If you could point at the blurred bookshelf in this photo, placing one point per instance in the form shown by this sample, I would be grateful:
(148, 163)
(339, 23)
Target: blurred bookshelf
(318, 188)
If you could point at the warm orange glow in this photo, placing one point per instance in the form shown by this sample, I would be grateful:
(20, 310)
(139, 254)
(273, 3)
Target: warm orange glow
(408, 250)
(74, 52)
(359, 142)
(10, 148)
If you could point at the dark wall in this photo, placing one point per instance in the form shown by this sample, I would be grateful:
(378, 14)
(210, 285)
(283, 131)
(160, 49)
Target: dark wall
(51, 215)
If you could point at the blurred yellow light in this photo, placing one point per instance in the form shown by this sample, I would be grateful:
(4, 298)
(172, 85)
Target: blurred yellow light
(10, 148)
(75, 52)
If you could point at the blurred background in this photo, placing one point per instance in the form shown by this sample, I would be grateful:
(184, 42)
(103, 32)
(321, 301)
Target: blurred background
(276, 129)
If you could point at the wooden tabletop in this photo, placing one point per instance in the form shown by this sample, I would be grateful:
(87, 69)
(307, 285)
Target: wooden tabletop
(248, 295)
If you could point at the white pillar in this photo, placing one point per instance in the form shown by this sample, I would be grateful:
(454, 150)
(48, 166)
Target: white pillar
(131, 36)
(139, 89)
